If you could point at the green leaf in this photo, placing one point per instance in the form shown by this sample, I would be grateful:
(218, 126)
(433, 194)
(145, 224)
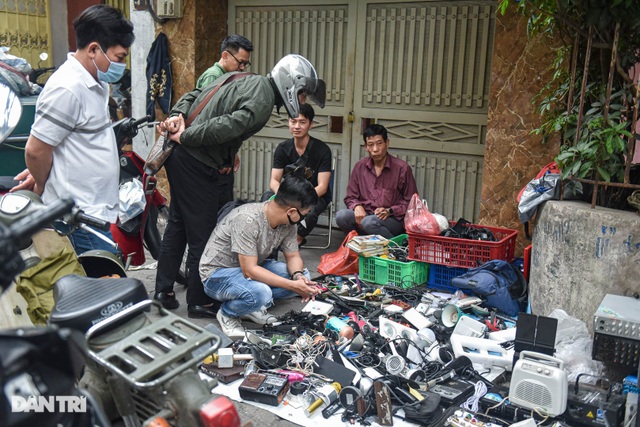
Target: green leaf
(609, 144)
(604, 174)
(576, 167)
(586, 168)
(564, 155)
(504, 4)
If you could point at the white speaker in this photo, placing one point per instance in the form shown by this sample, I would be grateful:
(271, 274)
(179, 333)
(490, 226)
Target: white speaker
(482, 351)
(539, 382)
(392, 330)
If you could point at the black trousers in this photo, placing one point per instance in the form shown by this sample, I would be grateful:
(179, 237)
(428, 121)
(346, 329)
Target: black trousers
(197, 192)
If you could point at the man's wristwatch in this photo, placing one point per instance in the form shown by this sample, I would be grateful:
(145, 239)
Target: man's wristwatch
(390, 210)
(295, 273)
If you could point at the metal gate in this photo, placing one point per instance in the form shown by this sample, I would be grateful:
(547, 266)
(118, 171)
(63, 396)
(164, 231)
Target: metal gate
(25, 28)
(421, 69)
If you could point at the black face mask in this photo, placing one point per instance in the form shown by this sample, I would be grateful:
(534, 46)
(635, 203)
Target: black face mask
(302, 217)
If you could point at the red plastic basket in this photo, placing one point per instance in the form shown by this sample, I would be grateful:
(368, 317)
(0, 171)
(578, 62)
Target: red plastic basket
(464, 253)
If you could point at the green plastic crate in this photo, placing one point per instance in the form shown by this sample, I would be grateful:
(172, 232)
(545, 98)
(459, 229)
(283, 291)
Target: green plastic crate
(383, 271)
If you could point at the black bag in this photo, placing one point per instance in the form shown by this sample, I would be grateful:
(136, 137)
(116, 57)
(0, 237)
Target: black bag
(229, 206)
(299, 168)
(500, 283)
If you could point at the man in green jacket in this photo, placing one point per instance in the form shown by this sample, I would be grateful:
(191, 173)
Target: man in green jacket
(235, 113)
(235, 53)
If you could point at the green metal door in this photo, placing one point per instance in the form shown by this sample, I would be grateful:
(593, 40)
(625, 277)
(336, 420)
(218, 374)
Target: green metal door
(421, 69)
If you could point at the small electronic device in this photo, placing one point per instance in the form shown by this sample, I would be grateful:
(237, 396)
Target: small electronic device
(318, 308)
(467, 302)
(535, 333)
(392, 330)
(453, 392)
(414, 317)
(269, 388)
(224, 375)
(591, 406)
(539, 382)
(470, 327)
(616, 326)
(225, 358)
(482, 351)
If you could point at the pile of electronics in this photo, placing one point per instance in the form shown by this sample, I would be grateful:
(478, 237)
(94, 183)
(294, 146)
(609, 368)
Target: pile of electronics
(371, 354)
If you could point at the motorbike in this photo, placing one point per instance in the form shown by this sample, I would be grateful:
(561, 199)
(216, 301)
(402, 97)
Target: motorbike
(141, 359)
(141, 230)
(37, 73)
(146, 229)
(43, 363)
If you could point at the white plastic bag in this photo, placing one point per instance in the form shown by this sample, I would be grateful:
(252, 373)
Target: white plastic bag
(573, 346)
(132, 201)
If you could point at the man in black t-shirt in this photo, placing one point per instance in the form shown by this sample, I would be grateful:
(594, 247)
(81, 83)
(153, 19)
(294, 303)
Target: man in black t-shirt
(305, 156)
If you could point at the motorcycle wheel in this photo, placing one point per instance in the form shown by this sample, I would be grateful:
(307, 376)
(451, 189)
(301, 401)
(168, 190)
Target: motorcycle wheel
(153, 232)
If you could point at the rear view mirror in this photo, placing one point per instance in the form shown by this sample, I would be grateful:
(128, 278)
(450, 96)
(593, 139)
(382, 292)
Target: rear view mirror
(10, 111)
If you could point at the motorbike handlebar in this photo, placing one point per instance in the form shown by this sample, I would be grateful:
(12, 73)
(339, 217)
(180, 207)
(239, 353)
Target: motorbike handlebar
(138, 122)
(33, 222)
(80, 217)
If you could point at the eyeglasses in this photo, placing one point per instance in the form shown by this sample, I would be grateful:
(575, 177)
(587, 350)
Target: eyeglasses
(245, 64)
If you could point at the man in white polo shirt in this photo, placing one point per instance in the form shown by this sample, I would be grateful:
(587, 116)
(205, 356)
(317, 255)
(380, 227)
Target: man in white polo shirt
(72, 150)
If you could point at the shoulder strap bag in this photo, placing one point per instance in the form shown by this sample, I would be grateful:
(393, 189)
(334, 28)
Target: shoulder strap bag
(164, 146)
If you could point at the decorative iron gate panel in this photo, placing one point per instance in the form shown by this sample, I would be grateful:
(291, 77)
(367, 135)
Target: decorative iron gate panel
(25, 28)
(322, 33)
(425, 77)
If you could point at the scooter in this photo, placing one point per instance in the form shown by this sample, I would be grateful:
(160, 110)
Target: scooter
(146, 229)
(142, 365)
(39, 365)
(141, 230)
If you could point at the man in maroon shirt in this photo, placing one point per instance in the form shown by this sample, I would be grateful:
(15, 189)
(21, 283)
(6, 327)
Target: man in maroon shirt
(379, 190)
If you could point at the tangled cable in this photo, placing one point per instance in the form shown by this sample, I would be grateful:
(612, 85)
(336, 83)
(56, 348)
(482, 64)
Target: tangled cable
(472, 403)
(302, 354)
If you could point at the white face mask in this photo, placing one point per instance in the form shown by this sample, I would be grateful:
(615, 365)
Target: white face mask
(113, 73)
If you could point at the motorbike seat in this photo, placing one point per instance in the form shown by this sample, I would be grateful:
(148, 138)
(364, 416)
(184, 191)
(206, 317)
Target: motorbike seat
(81, 302)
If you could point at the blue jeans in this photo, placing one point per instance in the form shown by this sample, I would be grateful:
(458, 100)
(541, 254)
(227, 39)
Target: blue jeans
(84, 241)
(242, 296)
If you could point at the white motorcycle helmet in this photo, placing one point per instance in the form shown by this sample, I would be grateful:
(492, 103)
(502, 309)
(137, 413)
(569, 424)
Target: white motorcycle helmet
(294, 74)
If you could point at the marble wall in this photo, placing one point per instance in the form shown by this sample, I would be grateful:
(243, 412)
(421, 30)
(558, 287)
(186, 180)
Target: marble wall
(194, 45)
(520, 68)
(194, 41)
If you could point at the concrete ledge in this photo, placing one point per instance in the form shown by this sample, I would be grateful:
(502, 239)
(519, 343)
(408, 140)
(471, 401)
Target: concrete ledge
(579, 255)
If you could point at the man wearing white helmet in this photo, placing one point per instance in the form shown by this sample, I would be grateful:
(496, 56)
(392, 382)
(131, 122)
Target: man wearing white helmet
(237, 111)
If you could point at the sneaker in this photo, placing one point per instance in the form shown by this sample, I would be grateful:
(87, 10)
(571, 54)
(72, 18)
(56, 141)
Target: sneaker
(261, 317)
(231, 326)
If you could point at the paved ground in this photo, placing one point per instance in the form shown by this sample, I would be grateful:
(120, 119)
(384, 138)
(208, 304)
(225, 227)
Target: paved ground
(311, 257)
